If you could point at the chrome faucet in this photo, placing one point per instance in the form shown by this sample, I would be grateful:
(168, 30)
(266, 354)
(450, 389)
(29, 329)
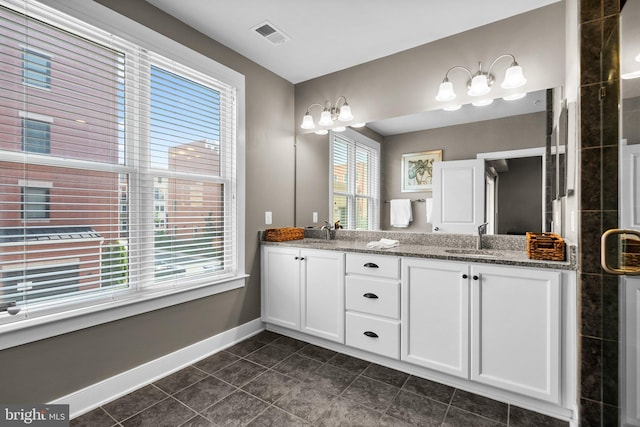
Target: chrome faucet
(482, 229)
(327, 228)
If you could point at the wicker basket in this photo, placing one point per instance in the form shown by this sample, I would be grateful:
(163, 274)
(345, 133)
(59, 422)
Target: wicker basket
(283, 234)
(545, 246)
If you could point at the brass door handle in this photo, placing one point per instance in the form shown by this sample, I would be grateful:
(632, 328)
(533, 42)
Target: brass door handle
(624, 269)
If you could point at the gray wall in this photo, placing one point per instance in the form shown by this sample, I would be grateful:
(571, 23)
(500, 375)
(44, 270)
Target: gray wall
(520, 196)
(45, 370)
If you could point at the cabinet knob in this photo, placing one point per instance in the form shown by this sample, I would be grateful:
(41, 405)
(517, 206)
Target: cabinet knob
(371, 265)
(476, 278)
(371, 334)
(370, 295)
(464, 276)
(297, 258)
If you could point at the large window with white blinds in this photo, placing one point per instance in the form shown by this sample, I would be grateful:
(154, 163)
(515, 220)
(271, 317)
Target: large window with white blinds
(118, 172)
(355, 183)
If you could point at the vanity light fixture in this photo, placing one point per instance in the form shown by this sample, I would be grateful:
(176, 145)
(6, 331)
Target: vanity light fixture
(330, 113)
(480, 82)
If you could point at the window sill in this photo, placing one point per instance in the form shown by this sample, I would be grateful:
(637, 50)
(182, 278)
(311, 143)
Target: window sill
(38, 328)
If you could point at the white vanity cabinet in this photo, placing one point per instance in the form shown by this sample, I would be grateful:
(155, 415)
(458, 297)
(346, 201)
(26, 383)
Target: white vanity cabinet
(495, 325)
(373, 303)
(303, 289)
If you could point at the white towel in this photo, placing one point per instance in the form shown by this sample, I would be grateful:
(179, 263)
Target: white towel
(401, 214)
(429, 203)
(383, 244)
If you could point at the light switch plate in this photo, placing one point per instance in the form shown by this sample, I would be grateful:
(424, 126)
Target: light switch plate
(268, 219)
(315, 217)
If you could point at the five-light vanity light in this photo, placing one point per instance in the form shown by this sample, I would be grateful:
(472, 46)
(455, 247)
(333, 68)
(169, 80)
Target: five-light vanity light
(330, 113)
(479, 83)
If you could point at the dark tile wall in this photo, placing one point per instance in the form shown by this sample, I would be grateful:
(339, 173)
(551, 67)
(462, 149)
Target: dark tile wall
(598, 292)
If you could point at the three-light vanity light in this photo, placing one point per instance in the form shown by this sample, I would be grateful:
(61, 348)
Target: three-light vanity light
(480, 82)
(330, 114)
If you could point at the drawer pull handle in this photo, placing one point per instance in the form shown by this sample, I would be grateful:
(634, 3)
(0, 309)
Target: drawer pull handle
(371, 265)
(370, 295)
(371, 334)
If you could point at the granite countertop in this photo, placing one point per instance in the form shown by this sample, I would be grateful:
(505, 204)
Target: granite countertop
(502, 250)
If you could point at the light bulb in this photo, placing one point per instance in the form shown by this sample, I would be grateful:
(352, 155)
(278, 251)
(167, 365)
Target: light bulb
(479, 85)
(325, 118)
(345, 113)
(445, 92)
(307, 122)
(513, 77)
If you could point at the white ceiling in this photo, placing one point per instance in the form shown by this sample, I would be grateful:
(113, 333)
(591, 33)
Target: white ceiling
(332, 35)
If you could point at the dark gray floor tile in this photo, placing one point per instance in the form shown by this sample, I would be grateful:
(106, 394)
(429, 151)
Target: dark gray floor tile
(459, 418)
(520, 417)
(168, 412)
(348, 363)
(275, 417)
(430, 389)
(344, 412)
(236, 409)
(289, 343)
(371, 393)
(179, 380)
(417, 410)
(389, 421)
(386, 375)
(96, 418)
(240, 372)
(204, 393)
(270, 355)
(198, 421)
(265, 337)
(306, 402)
(331, 379)
(134, 402)
(316, 352)
(480, 405)
(216, 362)
(297, 366)
(270, 386)
(245, 347)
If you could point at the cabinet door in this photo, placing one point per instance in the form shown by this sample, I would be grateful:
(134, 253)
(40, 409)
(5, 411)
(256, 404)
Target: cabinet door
(281, 286)
(515, 340)
(458, 196)
(323, 294)
(435, 315)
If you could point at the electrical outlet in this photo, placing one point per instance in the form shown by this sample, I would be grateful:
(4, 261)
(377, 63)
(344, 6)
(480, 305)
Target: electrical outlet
(315, 217)
(268, 218)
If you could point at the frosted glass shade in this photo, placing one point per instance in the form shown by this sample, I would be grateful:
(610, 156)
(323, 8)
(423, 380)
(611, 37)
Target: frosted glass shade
(445, 92)
(345, 113)
(515, 96)
(479, 85)
(325, 118)
(307, 122)
(513, 78)
(482, 102)
(339, 129)
(452, 107)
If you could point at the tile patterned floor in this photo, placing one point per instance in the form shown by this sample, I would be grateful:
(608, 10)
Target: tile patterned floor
(273, 380)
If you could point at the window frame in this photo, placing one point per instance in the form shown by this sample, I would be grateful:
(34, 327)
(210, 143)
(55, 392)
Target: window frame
(29, 81)
(22, 330)
(352, 197)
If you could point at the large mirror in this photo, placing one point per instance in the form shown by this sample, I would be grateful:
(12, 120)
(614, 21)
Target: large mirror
(518, 140)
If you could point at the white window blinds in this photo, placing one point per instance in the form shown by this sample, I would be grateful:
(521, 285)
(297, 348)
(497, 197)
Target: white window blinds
(355, 171)
(117, 167)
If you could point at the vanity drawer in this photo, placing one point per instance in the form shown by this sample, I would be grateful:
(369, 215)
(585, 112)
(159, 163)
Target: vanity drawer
(373, 296)
(373, 265)
(380, 336)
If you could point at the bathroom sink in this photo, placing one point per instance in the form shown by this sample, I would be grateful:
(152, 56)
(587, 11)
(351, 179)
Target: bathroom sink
(480, 253)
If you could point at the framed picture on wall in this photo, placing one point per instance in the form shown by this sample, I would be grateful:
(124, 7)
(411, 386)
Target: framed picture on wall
(417, 170)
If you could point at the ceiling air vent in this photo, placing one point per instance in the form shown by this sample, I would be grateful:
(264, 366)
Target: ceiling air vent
(271, 33)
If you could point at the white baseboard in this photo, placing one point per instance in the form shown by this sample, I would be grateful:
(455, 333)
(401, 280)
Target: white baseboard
(95, 395)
